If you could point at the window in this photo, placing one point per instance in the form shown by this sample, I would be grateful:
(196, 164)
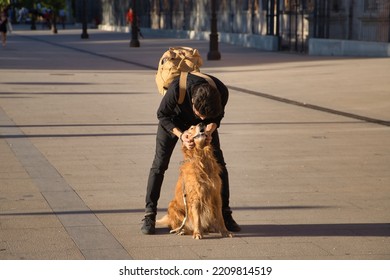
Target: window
(371, 5)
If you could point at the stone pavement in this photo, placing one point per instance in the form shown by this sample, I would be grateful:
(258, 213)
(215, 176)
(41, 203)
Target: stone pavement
(306, 140)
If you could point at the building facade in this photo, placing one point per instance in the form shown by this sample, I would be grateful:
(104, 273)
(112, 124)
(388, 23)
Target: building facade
(292, 22)
(93, 11)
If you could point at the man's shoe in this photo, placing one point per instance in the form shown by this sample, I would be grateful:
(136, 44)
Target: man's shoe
(149, 225)
(230, 224)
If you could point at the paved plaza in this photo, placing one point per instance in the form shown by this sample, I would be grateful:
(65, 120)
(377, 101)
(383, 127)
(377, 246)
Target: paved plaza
(306, 140)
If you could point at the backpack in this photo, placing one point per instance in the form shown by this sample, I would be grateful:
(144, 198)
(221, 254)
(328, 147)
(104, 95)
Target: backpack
(179, 61)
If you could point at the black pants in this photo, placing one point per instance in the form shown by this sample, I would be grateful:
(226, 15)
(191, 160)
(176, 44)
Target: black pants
(165, 143)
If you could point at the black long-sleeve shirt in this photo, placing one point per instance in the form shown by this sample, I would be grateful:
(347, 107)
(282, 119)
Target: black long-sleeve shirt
(171, 114)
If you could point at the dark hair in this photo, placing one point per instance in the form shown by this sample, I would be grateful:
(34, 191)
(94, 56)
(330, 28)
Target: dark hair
(206, 100)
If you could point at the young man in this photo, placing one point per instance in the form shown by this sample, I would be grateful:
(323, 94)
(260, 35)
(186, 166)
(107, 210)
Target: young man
(202, 103)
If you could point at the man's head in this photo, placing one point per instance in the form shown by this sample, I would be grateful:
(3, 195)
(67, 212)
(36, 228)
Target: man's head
(206, 101)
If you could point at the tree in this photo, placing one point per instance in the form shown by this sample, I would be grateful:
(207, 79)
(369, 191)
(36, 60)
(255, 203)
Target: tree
(30, 5)
(54, 5)
(4, 4)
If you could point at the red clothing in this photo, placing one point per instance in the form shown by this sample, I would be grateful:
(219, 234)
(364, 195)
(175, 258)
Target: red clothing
(129, 16)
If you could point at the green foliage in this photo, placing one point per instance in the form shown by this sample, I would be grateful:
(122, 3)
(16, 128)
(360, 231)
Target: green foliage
(29, 4)
(4, 3)
(55, 4)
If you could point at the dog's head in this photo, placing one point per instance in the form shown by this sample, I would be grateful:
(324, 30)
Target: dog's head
(197, 133)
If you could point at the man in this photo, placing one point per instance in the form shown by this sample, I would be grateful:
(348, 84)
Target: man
(202, 103)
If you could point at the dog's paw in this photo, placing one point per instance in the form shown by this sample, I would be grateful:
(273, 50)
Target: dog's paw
(227, 234)
(197, 235)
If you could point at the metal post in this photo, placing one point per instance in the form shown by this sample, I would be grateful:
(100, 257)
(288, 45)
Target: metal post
(271, 17)
(388, 26)
(85, 35)
(134, 43)
(34, 14)
(277, 17)
(214, 53)
(302, 28)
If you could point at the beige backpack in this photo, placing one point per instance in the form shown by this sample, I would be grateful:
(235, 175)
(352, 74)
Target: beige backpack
(179, 61)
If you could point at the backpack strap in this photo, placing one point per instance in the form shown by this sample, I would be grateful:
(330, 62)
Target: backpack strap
(207, 78)
(183, 84)
(182, 87)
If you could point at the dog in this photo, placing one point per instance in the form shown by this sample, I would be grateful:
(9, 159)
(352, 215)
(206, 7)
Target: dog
(197, 205)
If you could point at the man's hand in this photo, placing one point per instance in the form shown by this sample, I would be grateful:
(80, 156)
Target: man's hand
(187, 142)
(209, 138)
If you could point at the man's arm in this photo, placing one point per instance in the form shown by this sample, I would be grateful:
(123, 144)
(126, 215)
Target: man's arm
(210, 128)
(167, 107)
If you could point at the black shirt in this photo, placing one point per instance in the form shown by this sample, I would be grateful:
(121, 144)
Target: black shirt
(171, 114)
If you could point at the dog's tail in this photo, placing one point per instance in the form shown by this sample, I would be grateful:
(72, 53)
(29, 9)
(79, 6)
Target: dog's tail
(164, 221)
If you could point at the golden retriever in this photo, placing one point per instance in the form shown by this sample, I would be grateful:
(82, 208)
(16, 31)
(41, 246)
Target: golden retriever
(197, 207)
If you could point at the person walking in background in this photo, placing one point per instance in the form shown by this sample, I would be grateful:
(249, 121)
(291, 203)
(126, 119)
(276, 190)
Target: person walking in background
(129, 20)
(3, 27)
(129, 17)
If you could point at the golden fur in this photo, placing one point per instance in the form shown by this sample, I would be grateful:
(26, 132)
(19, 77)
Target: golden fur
(200, 174)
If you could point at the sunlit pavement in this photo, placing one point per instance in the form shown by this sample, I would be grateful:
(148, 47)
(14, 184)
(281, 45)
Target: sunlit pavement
(305, 140)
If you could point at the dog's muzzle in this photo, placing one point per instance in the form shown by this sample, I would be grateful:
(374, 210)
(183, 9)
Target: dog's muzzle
(201, 132)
